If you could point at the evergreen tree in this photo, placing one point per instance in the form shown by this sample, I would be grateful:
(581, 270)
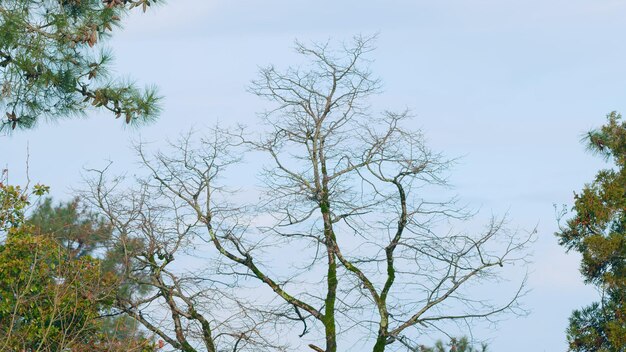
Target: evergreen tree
(52, 66)
(455, 345)
(82, 233)
(52, 297)
(72, 225)
(597, 230)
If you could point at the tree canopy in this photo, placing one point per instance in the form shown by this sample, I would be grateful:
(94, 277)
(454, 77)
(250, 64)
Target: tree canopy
(597, 230)
(355, 193)
(462, 344)
(52, 299)
(52, 64)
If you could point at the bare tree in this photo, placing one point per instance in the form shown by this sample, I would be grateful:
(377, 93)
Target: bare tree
(191, 309)
(352, 235)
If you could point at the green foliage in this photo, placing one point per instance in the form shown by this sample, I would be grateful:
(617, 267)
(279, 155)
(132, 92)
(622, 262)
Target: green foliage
(78, 230)
(49, 66)
(12, 206)
(45, 299)
(83, 232)
(455, 345)
(50, 298)
(598, 231)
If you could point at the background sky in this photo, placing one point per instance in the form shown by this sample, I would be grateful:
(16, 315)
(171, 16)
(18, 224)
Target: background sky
(509, 85)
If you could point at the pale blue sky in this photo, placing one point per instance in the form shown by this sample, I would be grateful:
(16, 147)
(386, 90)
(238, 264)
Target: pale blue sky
(511, 85)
